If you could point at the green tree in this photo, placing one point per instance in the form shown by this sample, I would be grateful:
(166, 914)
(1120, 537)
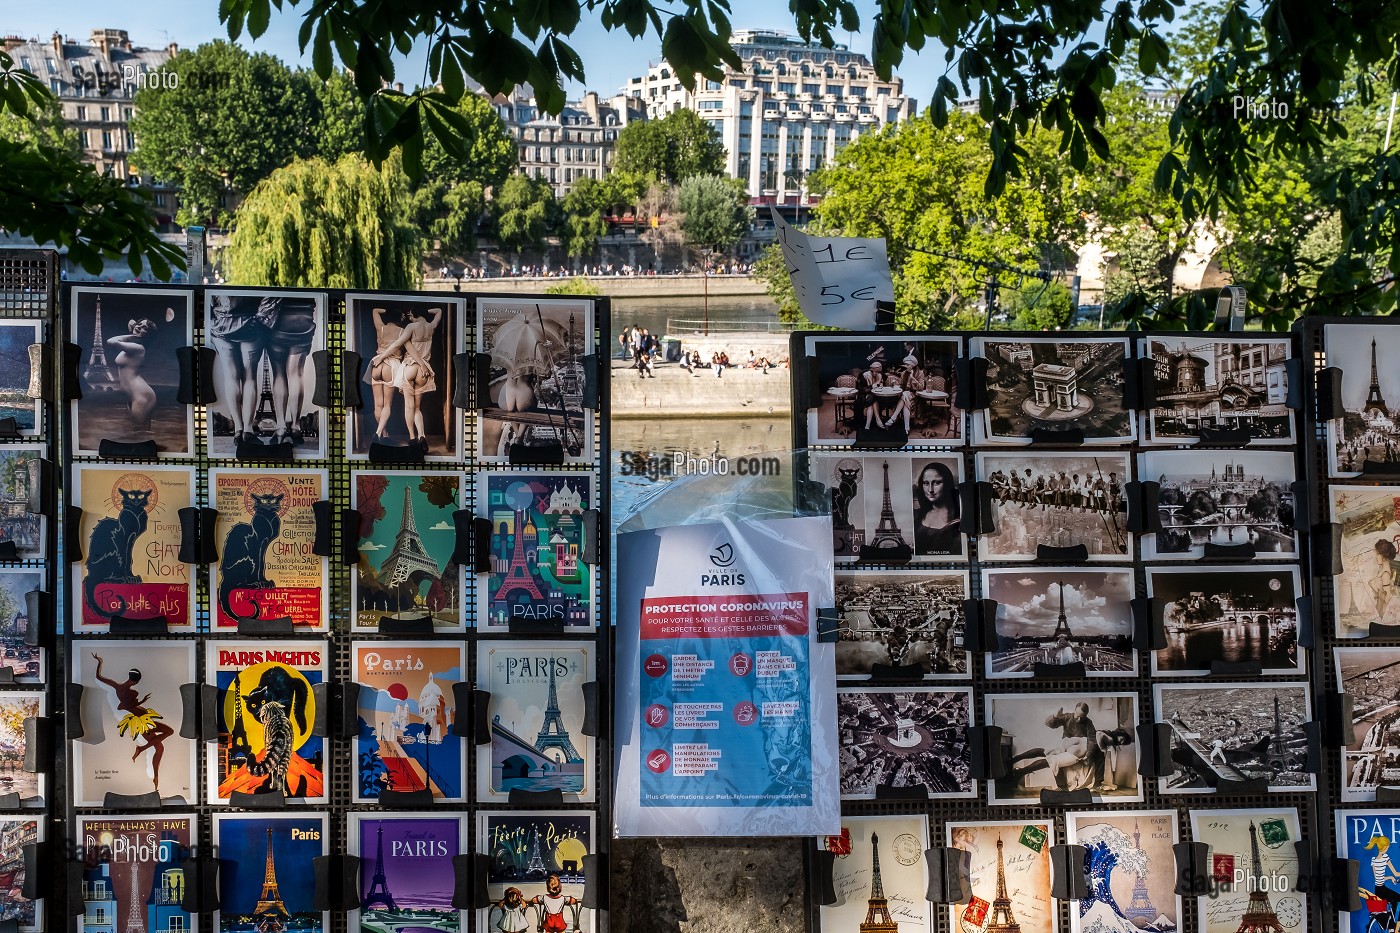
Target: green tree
(43, 125)
(231, 119)
(339, 122)
(578, 285)
(316, 224)
(1038, 306)
(714, 211)
(450, 198)
(584, 208)
(680, 145)
(523, 212)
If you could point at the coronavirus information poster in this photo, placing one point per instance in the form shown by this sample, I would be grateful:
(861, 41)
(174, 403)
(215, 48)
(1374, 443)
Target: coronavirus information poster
(722, 731)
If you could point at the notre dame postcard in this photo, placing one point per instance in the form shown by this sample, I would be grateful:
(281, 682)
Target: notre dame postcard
(133, 872)
(267, 871)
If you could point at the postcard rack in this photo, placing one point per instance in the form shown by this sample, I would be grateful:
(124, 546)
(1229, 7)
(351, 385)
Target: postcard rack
(330, 488)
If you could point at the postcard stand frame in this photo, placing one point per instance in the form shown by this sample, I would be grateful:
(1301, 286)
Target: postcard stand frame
(1139, 682)
(332, 397)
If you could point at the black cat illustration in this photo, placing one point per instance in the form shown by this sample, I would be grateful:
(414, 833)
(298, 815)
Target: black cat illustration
(243, 563)
(110, 548)
(277, 700)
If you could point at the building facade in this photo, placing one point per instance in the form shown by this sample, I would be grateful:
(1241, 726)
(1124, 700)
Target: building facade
(578, 143)
(790, 110)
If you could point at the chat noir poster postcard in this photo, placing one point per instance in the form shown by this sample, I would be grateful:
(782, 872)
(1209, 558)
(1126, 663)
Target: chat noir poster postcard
(134, 874)
(407, 879)
(405, 741)
(267, 872)
(535, 870)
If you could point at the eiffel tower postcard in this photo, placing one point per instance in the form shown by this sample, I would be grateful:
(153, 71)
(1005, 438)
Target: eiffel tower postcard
(541, 855)
(1367, 432)
(407, 880)
(1010, 875)
(1236, 732)
(269, 879)
(1254, 871)
(128, 370)
(1063, 615)
(880, 876)
(537, 715)
(407, 542)
(134, 878)
(405, 740)
(1131, 871)
(890, 508)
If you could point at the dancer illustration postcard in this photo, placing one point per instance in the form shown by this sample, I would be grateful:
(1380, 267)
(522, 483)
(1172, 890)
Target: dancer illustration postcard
(1131, 871)
(17, 374)
(407, 709)
(1034, 613)
(536, 879)
(19, 477)
(537, 545)
(1253, 871)
(130, 534)
(1221, 498)
(1368, 588)
(266, 530)
(901, 618)
(1217, 387)
(1235, 732)
(406, 872)
(16, 832)
(536, 714)
(128, 369)
(890, 392)
(1059, 500)
(880, 875)
(265, 712)
(1367, 836)
(267, 872)
(1371, 677)
(1010, 876)
(537, 380)
(1228, 614)
(406, 347)
(15, 707)
(407, 540)
(1066, 742)
(263, 372)
(133, 872)
(131, 714)
(896, 737)
(1367, 431)
(26, 661)
(893, 507)
(1041, 385)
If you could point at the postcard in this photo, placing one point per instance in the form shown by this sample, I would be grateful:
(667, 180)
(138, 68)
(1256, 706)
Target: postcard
(134, 872)
(880, 875)
(131, 714)
(407, 541)
(16, 375)
(1131, 870)
(1058, 500)
(1060, 616)
(901, 618)
(1216, 497)
(1366, 836)
(1040, 385)
(1368, 431)
(1253, 870)
(128, 369)
(266, 530)
(1217, 387)
(1010, 876)
(1235, 732)
(537, 380)
(407, 709)
(265, 715)
(535, 878)
(16, 832)
(19, 477)
(1066, 742)
(406, 346)
(15, 707)
(1368, 588)
(900, 737)
(894, 392)
(1228, 614)
(1371, 677)
(537, 546)
(264, 374)
(537, 715)
(267, 871)
(893, 507)
(406, 871)
(130, 534)
(27, 661)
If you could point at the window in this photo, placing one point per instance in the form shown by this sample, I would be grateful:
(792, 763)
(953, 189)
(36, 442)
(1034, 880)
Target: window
(130, 141)
(83, 139)
(794, 106)
(834, 90)
(717, 127)
(863, 109)
(24, 60)
(54, 85)
(49, 64)
(82, 112)
(740, 83)
(126, 113)
(787, 87)
(162, 200)
(106, 114)
(811, 88)
(709, 105)
(765, 86)
(858, 93)
(713, 86)
(746, 108)
(106, 140)
(892, 115)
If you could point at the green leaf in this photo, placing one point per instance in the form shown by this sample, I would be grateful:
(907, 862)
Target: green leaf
(259, 15)
(321, 51)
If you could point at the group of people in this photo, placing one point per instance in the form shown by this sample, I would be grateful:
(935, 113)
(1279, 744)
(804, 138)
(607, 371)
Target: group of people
(1059, 490)
(889, 410)
(1372, 445)
(544, 271)
(1083, 744)
(644, 348)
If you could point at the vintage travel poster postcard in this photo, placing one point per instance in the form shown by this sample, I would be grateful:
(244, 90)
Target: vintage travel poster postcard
(16, 832)
(901, 618)
(1131, 870)
(264, 376)
(267, 871)
(1066, 742)
(128, 369)
(406, 346)
(535, 878)
(537, 546)
(1235, 732)
(1253, 870)
(1366, 836)
(15, 707)
(1218, 387)
(1041, 385)
(130, 535)
(134, 873)
(1368, 588)
(1367, 431)
(1230, 614)
(898, 737)
(19, 477)
(891, 392)
(536, 714)
(537, 379)
(1059, 500)
(131, 715)
(407, 540)
(880, 875)
(407, 709)
(16, 374)
(1034, 613)
(266, 530)
(27, 661)
(265, 714)
(1010, 876)
(1371, 677)
(406, 872)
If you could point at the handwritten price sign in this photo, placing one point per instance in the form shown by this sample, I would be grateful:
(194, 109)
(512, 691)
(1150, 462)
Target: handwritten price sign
(837, 279)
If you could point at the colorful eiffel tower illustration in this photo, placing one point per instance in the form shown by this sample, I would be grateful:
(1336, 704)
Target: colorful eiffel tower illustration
(517, 576)
(97, 374)
(270, 901)
(378, 892)
(1141, 904)
(408, 557)
(1003, 920)
(1062, 623)
(536, 867)
(1374, 401)
(887, 543)
(1259, 916)
(135, 912)
(552, 733)
(877, 914)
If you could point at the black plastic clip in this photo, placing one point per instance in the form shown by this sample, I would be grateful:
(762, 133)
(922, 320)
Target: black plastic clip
(1327, 549)
(1149, 633)
(127, 450)
(72, 537)
(351, 373)
(185, 359)
(1069, 881)
(481, 539)
(1344, 876)
(1143, 515)
(823, 873)
(38, 607)
(985, 759)
(910, 792)
(480, 369)
(321, 363)
(38, 743)
(406, 799)
(72, 361)
(206, 393)
(593, 368)
(324, 545)
(1302, 494)
(983, 508)
(197, 544)
(535, 626)
(1072, 554)
(979, 634)
(1155, 749)
(1379, 468)
(806, 392)
(828, 626)
(1337, 719)
(590, 708)
(1063, 436)
(35, 854)
(1242, 551)
(210, 704)
(1219, 668)
(149, 625)
(481, 717)
(7, 675)
(1312, 729)
(258, 452)
(1146, 381)
(201, 884)
(271, 800)
(1249, 787)
(249, 626)
(73, 693)
(461, 392)
(1132, 388)
(406, 626)
(1075, 670)
(553, 797)
(480, 869)
(949, 875)
(349, 537)
(1232, 438)
(968, 498)
(1329, 394)
(150, 801)
(396, 453)
(1387, 793)
(595, 881)
(337, 709)
(1066, 798)
(589, 554)
(535, 454)
(1293, 368)
(1192, 868)
(896, 674)
(9, 430)
(462, 725)
(337, 882)
(1307, 631)
(462, 882)
(971, 394)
